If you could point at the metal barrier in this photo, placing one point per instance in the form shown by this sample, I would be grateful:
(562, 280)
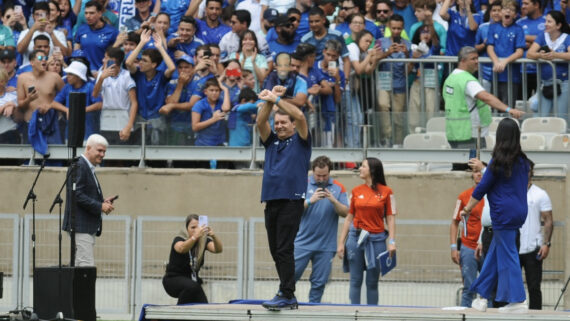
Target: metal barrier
(112, 258)
(10, 240)
(222, 273)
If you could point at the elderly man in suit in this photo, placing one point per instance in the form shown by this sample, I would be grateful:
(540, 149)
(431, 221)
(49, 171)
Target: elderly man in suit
(89, 201)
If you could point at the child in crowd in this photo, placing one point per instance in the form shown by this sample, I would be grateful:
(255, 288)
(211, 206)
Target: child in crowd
(242, 118)
(208, 115)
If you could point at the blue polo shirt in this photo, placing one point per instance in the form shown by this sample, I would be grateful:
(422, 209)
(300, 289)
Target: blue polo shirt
(95, 42)
(276, 48)
(285, 168)
(320, 43)
(481, 37)
(319, 223)
(150, 93)
(92, 119)
(459, 34)
(345, 32)
(398, 68)
(561, 67)
(531, 27)
(506, 40)
(211, 35)
(188, 48)
(179, 116)
(175, 10)
(215, 134)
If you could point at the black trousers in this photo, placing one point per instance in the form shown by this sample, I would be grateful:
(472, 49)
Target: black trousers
(185, 289)
(533, 275)
(282, 219)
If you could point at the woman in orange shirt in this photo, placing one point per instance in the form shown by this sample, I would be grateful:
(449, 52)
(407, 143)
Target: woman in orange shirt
(364, 231)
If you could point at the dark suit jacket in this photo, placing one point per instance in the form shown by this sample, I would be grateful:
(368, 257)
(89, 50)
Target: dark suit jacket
(89, 200)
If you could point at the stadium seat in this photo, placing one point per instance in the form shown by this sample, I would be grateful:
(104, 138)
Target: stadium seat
(550, 169)
(433, 140)
(533, 141)
(560, 143)
(435, 124)
(552, 125)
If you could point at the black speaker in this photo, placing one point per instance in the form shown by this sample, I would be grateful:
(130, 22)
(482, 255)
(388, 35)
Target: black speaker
(70, 290)
(76, 121)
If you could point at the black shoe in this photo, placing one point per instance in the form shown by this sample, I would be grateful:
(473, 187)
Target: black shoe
(280, 302)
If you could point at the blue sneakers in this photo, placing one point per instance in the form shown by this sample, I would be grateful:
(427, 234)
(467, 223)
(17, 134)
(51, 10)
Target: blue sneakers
(280, 302)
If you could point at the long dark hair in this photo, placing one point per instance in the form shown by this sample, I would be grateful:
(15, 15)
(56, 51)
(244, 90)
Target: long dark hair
(507, 147)
(248, 32)
(376, 171)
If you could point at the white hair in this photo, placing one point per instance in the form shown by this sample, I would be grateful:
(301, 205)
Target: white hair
(96, 139)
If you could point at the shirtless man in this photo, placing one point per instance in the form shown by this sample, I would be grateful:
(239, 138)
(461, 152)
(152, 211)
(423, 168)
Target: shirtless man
(37, 88)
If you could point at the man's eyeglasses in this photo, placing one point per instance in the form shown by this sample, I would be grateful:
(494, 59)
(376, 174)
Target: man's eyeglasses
(382, 11)
(346, 8)
(42, 58)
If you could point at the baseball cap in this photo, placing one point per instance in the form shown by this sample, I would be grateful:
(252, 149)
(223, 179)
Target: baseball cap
(186, 58)
(283, 20)
(270, 14)
(7, 54)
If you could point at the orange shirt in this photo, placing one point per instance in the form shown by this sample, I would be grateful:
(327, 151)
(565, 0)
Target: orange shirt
(369, 207)
(474, 221)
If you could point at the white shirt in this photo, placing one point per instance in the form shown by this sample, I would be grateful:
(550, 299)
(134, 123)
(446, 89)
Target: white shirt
(531, 236)
(280, 5)
(471, 90)
(254, 8)
(6, 123)
(58, 34)
(116, 101)
(229, 44)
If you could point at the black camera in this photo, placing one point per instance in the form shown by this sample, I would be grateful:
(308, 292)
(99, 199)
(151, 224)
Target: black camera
(322, 185)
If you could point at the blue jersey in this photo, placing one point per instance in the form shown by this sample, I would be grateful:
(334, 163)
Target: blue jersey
(506, 40)
(92, 119)
(176, 115)
(175, 10)
(95, 42)
(240, 124)
(197, 85)
(345, 32)
(285, 168)
(188, 48)
(459, 34)
(320, 43)
(215, 134)
(481, 37)
(150, 93)
(531, 27)
(276, 48)
(319, 223)
(211, 35)
(561, 67)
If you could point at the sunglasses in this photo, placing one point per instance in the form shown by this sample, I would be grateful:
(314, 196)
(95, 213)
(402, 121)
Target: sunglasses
(42, 58)
(382, 11)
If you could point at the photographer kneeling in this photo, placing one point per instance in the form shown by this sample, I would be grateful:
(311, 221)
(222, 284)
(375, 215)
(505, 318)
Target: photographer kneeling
(186, 258)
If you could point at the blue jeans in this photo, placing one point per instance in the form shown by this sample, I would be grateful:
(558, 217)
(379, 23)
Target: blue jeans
(562, 102)
(353, 120)
(469, 268)
(321, 262)
(357, 265)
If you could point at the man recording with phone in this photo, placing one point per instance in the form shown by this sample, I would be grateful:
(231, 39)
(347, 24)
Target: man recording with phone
(89, 201)
(326, 200)
(205, 69)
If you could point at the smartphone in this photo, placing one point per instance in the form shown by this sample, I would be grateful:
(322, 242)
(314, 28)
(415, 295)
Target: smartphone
(18, 10)
(332, 64)
(207, 53)
(472, 153)
(544, 48)
(56, 49)
(397, 39)
(203, 220)
(42, 16)
(114, 198)
(110, 63)
(322, 185)
(31, 89)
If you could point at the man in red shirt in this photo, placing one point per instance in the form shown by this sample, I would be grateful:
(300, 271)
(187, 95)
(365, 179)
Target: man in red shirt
(465, 256)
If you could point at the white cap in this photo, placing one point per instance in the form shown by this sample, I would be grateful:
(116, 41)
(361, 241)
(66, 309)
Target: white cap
(78, 69)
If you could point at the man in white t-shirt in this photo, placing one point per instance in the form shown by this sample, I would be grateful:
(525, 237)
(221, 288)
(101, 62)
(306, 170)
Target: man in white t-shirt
(41, 26)
(254, 9)
(120, 104)
(535, 244)
(467, 103)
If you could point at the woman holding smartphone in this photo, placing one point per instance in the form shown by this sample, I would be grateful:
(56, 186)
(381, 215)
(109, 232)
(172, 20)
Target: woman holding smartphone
(186, 258)
(364, 231)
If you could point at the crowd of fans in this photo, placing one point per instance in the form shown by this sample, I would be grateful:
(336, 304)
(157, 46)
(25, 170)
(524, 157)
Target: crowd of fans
(191, 70)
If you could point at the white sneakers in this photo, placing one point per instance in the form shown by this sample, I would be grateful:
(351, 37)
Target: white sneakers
(479, 304)
(521, 307)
